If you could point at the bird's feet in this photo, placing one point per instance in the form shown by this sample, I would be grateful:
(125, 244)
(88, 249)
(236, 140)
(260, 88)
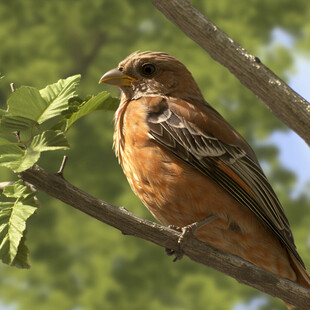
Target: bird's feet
(186, 233)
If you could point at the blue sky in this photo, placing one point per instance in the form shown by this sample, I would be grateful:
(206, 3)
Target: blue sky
(294, 152)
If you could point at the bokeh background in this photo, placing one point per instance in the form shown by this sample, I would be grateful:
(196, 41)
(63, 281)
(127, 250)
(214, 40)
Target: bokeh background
(79, 263)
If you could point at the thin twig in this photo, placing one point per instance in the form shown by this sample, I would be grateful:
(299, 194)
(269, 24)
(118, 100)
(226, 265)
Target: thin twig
(16, 133)
(60, 172)
(12, 87)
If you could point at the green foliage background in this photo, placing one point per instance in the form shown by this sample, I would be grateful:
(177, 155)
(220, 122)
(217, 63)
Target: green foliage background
(78, 262)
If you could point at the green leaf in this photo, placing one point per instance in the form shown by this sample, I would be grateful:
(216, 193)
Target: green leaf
(57, 96)
(16, 190)
(10, 154)
(29, 158)
(27, 102)
(48, 141)
(103, 101)
(15, 123)
(13, 217)
(15, 223)
(15, 158)
(108, 104)
(28, 106)
(21, 259)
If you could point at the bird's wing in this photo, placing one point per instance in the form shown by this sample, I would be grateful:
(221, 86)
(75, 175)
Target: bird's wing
(205, 141)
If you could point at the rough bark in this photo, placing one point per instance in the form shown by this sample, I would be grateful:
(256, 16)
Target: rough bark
(244, 272)
(286, 104)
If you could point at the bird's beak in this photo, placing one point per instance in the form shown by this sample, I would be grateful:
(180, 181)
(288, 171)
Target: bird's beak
(116, 77)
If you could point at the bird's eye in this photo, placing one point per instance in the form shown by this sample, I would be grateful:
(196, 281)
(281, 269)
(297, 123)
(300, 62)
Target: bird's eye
(148, 69)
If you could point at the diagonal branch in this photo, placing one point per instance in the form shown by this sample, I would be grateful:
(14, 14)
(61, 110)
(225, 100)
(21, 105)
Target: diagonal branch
(286, 104)
(282, 100)
(243, 271)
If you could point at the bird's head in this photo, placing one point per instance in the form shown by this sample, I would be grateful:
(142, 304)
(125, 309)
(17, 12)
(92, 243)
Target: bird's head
(153, 74)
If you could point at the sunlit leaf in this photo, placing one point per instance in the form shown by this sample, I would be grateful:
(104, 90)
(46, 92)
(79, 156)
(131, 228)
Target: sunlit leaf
(27, 102)
(15, 123)
(25, 162)
(57, 96)
(103, 101)
(49, 140)
(21, 259)
(13, 217)
(16, 190)
(28, 106)
(10, 154)
(16, 158)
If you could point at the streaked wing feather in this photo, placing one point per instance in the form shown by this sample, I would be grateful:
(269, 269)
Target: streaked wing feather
(203, 151)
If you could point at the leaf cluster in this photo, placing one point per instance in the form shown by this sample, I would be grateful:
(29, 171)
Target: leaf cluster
(35, 121)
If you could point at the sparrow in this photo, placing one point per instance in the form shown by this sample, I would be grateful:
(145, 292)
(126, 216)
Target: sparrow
(187, 164)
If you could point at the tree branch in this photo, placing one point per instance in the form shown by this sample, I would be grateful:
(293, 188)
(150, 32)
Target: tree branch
(286, 104)
(282, 100)
(243, 271)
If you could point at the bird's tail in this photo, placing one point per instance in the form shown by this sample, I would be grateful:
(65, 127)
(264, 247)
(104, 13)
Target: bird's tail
(303, 277)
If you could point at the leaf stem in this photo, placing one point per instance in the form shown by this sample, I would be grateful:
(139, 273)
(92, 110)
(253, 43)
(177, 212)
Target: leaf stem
(62, 167)
(12, 87)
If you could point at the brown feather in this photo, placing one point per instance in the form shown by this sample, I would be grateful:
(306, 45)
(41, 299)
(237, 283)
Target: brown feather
(185, 162)
(225, 157)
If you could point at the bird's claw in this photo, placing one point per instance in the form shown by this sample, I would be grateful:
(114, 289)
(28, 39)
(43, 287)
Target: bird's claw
(186, 233)
(177, 253)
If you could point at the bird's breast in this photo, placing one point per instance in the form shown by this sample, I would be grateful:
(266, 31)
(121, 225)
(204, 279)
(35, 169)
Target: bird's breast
(177, 194)
(172, 190)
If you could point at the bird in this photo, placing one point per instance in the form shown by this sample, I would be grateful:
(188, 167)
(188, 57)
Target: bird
(188, 165)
